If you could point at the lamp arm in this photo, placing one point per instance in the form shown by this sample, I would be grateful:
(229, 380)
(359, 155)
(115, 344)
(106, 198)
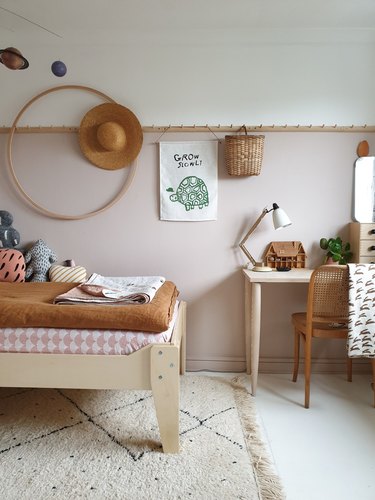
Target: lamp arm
(251, 230)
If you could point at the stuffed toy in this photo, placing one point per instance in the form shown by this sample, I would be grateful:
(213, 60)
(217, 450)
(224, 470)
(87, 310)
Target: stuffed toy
(38, 261)
(9, 237)
(12, 265)
(67, 274)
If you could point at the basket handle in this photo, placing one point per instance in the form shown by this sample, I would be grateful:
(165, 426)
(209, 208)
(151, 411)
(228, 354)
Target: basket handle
(245, 129)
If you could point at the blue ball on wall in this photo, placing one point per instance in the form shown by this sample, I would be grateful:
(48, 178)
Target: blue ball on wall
(58, 68)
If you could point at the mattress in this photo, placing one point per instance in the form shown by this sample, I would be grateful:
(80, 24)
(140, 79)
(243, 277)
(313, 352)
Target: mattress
(80, 341)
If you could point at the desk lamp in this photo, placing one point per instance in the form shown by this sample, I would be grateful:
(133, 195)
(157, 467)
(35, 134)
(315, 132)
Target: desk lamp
(280, 220)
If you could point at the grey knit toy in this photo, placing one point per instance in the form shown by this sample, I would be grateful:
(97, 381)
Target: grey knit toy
(9, 237)
(38, 261)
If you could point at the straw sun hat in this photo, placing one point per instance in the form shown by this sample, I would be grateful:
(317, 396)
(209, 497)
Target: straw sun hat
(110, 136)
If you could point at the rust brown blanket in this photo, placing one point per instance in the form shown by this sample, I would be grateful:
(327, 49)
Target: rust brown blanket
(31, 304)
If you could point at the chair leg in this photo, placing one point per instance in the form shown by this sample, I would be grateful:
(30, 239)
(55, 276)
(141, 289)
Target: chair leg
(296, 354)
(307, 370)
(349, 369)
(373, 378)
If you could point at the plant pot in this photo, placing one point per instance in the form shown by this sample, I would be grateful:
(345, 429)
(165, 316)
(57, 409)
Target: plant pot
(330, 262)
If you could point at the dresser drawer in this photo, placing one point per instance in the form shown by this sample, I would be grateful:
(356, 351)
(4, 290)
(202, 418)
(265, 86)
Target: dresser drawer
(367, 231)
(367, 247)
(362, 242)
(366, 259)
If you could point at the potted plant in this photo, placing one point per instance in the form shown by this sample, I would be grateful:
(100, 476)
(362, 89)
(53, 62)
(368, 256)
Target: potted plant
(337, 252)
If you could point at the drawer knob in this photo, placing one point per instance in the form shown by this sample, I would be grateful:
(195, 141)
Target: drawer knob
(372, 247)
(372, 231)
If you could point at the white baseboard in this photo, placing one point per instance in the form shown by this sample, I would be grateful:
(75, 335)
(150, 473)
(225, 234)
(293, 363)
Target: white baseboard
(220, 364)
(321, 365)
(275, 365)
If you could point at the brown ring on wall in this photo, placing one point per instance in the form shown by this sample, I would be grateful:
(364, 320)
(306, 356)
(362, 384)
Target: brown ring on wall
(40, 208)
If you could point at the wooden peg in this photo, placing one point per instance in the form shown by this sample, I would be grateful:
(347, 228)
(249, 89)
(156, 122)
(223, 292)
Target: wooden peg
(363, 149)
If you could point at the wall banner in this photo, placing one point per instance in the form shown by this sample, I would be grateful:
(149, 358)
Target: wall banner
(188, 180)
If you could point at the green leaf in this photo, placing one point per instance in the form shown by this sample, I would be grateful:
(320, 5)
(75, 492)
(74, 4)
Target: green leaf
(170, 190)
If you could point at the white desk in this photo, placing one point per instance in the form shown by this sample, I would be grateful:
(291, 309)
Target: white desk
(253, 302)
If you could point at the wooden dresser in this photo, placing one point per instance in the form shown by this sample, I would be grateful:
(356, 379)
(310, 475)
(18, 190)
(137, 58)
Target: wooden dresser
(362, 242)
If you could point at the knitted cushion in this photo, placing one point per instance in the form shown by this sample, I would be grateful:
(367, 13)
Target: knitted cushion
(12, 265)
(75, 274)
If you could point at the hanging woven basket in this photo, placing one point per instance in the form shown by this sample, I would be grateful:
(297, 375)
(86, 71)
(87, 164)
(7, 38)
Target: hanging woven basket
(244, 153)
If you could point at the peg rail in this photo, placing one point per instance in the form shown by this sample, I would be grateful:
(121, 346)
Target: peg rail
(206, 128)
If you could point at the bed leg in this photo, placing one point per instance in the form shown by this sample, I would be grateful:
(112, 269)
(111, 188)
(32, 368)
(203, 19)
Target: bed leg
(183, 341)
(183, 355)
(165, 384)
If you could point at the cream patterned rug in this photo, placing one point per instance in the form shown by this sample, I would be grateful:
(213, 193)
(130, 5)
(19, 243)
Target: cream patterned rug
(70, 444)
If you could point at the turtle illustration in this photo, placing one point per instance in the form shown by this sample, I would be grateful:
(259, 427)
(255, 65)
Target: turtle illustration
(192, 192)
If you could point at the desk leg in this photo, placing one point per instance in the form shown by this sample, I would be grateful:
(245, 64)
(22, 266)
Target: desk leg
(252, 325)
(247, 325)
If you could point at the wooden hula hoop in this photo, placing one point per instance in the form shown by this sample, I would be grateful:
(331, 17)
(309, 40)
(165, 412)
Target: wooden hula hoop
(40, 208)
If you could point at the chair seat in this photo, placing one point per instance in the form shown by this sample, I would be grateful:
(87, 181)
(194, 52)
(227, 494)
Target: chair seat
(333, 329)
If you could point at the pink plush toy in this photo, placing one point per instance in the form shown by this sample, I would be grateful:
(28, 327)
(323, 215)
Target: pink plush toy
(12, 265)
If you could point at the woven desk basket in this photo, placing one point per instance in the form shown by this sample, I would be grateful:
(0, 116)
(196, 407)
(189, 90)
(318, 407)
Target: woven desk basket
(244, 154)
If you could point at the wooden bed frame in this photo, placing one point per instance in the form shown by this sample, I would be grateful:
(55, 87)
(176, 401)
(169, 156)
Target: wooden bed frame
(156, 367)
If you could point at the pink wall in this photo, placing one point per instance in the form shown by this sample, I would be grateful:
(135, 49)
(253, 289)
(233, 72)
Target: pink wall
(310, 175)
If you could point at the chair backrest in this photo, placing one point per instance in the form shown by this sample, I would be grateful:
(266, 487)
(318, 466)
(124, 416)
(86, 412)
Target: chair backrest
(328, 294)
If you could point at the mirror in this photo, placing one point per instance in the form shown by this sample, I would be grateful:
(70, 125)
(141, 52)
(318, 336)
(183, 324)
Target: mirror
(364, 189)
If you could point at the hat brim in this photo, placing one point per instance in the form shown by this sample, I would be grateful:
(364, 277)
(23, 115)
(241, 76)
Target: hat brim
(24, 60)
(91, 148)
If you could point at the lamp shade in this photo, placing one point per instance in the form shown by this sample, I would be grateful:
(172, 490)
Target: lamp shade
(279, 217)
